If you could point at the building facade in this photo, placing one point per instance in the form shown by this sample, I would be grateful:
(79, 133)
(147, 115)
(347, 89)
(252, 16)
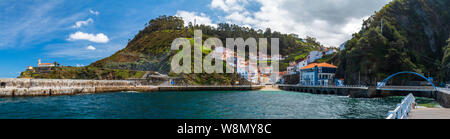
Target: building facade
(330, 51)
(318, 74)
(314, 55)
(301, 64)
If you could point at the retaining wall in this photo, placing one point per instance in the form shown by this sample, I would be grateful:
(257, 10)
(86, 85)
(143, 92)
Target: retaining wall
(210, 88)
(443, 98)
(49, 87)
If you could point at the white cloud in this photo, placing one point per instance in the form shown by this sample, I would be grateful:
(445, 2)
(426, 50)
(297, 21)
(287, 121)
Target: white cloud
(98, 38)
(79, 65)
(94, 12)
(90, 47)
(229, 5)
(79, 24)
(330, 21)
(192, 16)
(73, 51)
(353, 25)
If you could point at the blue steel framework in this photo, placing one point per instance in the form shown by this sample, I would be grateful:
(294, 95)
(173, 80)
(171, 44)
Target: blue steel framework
(383, 83)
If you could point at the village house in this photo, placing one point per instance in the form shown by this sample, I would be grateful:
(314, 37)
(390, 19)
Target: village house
(330, 51)
(291, 68)
(314, 55)
(318, 74)
(301, 64)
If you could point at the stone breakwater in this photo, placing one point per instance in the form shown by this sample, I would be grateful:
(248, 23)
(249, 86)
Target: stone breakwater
(50, 87)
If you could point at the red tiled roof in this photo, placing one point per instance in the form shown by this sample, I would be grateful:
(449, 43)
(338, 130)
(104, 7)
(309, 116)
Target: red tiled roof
(319, 65)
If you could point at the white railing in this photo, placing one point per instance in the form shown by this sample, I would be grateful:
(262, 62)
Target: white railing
(403, 109)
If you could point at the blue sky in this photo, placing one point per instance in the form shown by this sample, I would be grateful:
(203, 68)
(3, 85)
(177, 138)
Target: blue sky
(79, 32)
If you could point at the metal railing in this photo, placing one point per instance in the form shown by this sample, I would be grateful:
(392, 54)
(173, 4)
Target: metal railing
(407, 88)
(403, 109)
(329, 86)
(218, 86)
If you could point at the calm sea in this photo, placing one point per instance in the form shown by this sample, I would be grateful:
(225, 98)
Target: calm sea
(196, 105)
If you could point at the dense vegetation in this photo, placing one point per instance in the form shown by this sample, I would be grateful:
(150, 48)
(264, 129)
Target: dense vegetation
(406, 35)
(83, 73)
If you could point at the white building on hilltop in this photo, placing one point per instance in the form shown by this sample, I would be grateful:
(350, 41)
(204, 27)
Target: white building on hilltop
(45, 64)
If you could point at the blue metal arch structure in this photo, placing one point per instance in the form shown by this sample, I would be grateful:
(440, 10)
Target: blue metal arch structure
(383, 83)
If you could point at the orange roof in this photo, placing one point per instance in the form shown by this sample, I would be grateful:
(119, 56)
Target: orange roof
(46, 64)
(319, 65)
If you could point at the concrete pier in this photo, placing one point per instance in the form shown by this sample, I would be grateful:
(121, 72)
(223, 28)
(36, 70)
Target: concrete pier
(52, 87)
(443, 97)
(210, 88)
(356, 92)
(430, 113)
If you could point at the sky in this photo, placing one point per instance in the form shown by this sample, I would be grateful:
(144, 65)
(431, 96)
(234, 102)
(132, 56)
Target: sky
(79, 32)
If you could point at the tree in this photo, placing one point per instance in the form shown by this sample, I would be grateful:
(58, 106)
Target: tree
(56, 64)
(446, 62)
(268, 33)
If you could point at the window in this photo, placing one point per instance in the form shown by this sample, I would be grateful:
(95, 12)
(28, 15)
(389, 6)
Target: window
(2, 85)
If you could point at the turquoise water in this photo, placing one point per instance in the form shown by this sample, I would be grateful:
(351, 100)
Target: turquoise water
(196, 105)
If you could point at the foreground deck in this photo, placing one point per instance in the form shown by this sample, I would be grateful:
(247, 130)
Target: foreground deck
(430, 113)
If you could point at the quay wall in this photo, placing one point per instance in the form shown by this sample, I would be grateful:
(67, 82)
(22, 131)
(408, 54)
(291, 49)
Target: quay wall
(357, 92)
(210, 88)
(443, 98)
(50, 87)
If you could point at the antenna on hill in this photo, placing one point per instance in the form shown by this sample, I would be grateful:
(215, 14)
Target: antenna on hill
(195, 22)
(381, 26)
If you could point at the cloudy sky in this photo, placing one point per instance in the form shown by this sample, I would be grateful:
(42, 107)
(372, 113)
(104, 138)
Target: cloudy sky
(78, 32)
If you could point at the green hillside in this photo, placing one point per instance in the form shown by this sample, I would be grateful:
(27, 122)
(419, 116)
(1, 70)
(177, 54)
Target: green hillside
(150, 50)
(406, 35)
